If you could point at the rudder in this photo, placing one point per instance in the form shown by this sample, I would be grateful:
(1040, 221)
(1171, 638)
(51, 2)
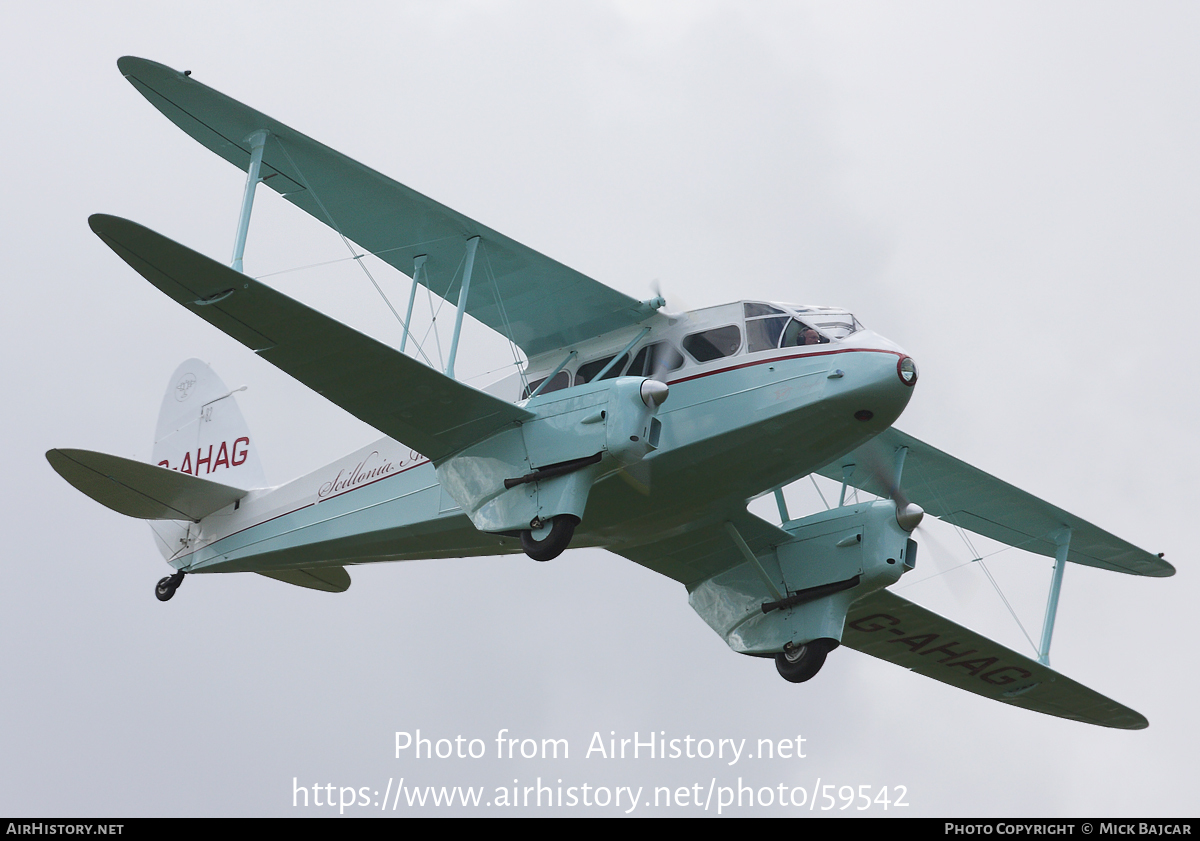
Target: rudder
(201, 430)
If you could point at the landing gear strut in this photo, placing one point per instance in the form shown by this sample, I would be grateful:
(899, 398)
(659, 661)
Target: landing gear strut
(551, 539)
(798, 663)
(166, 587)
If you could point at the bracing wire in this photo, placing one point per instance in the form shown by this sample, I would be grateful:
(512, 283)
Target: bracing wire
(508, 334)
(357, 257)
(412, 245)
(433, 312)
(977, 558)
(818, 487)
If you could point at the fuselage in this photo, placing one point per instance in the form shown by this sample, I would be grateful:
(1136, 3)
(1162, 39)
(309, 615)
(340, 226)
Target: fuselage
(760, 395)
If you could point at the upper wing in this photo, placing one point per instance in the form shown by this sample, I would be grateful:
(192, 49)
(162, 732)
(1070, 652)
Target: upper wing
(535, 301)
(394, 393)
(888, 627)
(954, 491)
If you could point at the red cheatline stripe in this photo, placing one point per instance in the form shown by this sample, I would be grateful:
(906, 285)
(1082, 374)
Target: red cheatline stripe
(780, 359)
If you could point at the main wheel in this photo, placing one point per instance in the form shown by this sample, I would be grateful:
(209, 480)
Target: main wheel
(802, 662)
(548, 543)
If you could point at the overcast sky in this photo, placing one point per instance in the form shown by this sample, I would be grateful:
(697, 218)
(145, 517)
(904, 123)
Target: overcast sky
(1010, 192)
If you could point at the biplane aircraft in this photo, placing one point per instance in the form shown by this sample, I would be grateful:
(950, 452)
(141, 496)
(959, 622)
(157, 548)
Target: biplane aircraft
(630, 428)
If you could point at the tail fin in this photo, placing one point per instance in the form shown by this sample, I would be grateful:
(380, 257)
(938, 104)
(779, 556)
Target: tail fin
(201, 430)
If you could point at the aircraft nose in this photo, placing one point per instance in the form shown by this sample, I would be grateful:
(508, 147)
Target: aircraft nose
(884, 392)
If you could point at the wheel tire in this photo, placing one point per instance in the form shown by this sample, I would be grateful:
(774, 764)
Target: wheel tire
(803, 662)
(554, 543)
(165, 588)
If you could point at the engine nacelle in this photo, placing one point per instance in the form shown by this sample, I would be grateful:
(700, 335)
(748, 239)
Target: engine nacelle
(833, 559)
(547, 466)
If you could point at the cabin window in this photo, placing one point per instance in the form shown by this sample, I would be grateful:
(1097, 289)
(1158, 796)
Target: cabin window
(588, 371)
(561, 380)
(752, 309)
(764, 333)
(714, 344)
(655, 361)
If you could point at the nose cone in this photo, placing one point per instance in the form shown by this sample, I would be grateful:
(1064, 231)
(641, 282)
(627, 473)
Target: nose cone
(881, 382)
(654, 393)
(909, 515)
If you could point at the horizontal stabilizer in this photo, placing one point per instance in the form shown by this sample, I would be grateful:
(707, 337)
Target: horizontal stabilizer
(958, 493)
(402, 398)
(141, 490)
(326, 579)
(888, 627)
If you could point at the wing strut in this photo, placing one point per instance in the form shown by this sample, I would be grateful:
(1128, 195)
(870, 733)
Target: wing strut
(755, 563)
(472, 244)
(1062, 541)
(418, 264)
(257, 141)
(782, 503)
(546, 380)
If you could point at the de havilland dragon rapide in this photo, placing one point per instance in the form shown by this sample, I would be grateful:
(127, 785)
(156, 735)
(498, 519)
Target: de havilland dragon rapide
(630, 428)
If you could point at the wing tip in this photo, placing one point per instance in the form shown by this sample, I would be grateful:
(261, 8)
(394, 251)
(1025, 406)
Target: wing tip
(98, 222)
(1165, 568)
(107, 226)
(131, 65)
(1138, 722)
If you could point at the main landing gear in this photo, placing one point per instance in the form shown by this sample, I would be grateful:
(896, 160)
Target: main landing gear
(166, 587)
(548, 540)
(798, 663)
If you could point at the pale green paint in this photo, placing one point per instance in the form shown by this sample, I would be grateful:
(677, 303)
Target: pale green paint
(954, 491)
(724, 438)
(394, 393)
(395, 222)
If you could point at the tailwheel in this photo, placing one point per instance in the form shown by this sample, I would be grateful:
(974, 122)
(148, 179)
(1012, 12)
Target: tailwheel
(166, 587)
(798, 663)
(550, 539)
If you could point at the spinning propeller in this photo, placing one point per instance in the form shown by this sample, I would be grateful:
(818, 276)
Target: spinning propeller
(909, 515)
(673, 314)
(887, 477)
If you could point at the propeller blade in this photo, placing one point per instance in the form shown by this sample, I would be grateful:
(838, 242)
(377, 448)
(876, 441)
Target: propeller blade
(908, 514)
(680, 310)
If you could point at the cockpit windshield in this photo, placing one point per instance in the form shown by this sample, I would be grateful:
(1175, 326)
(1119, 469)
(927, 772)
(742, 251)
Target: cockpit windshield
(771, 326)
(798, 334)
(835, 325)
